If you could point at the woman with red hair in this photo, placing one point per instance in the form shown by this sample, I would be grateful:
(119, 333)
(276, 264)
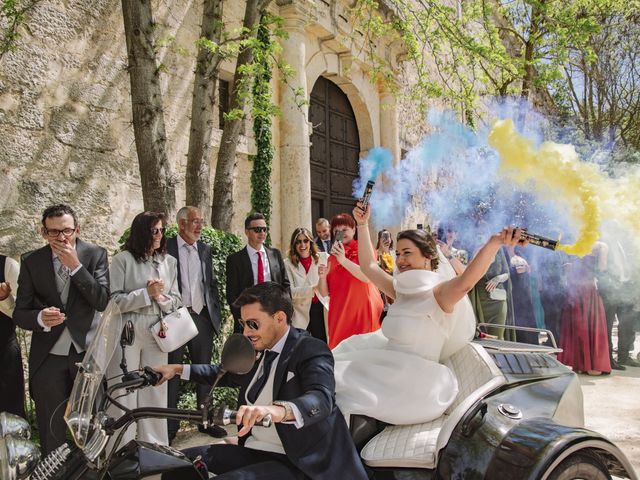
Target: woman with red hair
(355, 303)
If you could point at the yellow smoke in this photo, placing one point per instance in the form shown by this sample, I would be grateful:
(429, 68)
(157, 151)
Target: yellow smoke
(555, 169)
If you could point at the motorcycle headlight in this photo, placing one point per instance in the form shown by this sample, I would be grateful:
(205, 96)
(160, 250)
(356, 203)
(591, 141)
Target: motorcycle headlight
(18, 458)
(14, 425)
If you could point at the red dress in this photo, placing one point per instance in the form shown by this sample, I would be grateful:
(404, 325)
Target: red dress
(354, 306)
(583, 333)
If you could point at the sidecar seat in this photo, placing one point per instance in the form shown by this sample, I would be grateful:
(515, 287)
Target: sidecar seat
(417, 446)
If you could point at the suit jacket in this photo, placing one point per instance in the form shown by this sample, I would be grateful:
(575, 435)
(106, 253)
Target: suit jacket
(321, 245)
(240, 274)
(88, 292)
(210, 287)
(322, 448)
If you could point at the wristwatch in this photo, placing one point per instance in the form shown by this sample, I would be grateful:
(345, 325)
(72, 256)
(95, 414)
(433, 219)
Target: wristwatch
(288, 411)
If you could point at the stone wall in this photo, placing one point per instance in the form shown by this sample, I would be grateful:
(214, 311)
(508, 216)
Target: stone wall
(65, 114)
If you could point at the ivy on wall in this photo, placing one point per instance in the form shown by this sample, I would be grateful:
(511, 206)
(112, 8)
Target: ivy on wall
(263, 111)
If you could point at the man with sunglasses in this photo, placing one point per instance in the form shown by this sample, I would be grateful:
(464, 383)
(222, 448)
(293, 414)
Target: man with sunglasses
(292, 380)
(60, 288)
(254, 264)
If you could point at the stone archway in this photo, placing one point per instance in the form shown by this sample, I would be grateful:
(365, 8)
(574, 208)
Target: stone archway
(335, 150)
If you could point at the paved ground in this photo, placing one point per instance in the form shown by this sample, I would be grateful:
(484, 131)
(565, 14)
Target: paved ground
(611, 407)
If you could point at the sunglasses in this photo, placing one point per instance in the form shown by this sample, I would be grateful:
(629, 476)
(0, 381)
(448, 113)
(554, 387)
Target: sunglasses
(252, 324)
(304, 240)
(156, 231)
(258, 229)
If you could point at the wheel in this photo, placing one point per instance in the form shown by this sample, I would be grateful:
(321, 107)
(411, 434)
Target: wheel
(580, 466)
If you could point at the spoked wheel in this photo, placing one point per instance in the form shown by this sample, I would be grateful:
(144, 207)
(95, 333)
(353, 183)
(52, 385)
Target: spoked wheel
(580, 467)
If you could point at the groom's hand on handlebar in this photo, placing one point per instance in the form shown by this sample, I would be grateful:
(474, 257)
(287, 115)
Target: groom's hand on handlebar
(248, 415)
(167, 372)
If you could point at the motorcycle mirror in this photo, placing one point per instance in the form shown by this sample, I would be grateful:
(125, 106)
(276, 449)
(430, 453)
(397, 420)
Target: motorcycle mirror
(128, 334)
(238, 354)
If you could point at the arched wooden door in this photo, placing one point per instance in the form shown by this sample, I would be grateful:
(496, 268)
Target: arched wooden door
(335, 150)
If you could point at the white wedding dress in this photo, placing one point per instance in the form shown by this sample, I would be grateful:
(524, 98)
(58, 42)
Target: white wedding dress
(395, 374)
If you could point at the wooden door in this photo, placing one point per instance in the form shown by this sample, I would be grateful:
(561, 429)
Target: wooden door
(335, 150)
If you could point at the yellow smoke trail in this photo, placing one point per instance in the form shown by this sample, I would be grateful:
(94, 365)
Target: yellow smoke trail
(555, 168)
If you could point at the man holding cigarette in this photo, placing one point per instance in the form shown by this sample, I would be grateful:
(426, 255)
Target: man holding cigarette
(60, 288)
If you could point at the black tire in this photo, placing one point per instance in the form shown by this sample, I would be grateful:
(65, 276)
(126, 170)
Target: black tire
(580, 466)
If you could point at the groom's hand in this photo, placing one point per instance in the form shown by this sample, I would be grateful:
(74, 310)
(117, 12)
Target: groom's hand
(249, 415)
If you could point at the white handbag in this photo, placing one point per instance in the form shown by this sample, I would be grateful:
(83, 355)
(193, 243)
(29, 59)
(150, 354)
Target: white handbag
(173, 330)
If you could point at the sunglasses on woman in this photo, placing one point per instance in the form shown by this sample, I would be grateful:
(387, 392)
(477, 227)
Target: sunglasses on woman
(304, 240)
(156, 231)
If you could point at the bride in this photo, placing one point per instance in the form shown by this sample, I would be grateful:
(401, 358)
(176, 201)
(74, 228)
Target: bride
(395, 374)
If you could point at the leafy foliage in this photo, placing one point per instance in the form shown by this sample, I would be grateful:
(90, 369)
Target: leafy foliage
(12, 14)
(263, 111)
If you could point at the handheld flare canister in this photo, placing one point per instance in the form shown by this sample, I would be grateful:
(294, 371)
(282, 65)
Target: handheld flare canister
(539, 240)
(366, 196)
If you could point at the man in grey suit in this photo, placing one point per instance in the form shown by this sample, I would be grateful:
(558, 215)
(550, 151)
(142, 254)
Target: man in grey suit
(199, 289)
(60, 288)
(254, 264)
(323, 235)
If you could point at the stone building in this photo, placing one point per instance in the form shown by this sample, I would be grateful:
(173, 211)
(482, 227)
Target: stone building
(67, 136)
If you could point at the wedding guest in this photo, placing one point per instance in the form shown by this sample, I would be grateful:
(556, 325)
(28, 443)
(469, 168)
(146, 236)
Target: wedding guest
(144, 284)
(355, 304)
(386, 261)
(323, 235)
(302, 270)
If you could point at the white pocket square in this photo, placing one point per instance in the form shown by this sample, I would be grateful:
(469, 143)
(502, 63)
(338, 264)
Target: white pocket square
(290, 375)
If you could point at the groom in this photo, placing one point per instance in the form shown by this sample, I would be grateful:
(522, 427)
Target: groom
(293, 382)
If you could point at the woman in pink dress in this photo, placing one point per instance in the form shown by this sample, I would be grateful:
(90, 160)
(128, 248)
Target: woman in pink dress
(583, 331)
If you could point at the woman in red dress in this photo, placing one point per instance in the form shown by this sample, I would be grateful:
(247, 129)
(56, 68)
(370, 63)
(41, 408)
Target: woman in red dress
(355, 303)
(583, 334)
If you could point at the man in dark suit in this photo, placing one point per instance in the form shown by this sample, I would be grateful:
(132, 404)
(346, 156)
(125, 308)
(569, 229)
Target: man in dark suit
(199, 289)
(323, 235)
(254, 264)
(60, 288)
(293, 382)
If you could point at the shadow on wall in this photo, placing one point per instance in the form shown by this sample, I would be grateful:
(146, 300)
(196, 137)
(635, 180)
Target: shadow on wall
(67, 134)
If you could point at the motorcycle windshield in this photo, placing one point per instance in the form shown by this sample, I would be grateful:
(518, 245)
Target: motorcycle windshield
(88, 382)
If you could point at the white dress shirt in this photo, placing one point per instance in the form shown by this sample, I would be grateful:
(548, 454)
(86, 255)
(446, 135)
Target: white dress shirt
(253, 256)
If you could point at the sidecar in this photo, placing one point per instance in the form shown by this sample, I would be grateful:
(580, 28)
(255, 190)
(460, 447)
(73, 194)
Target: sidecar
(518, 415)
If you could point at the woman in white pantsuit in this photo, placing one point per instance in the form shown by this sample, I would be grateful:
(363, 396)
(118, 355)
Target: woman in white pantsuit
(143, 281)
(302, 269)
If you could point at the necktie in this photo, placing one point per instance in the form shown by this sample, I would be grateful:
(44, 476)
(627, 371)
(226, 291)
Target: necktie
(63, 273)
(268, 358)
(326, 246)
(194, 280)
(260, 268)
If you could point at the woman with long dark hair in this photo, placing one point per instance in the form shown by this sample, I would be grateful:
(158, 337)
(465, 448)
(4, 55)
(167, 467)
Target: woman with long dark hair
(144, 282)
(302, 269)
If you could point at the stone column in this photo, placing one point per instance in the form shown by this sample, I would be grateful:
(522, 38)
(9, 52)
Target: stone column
(389, 124)
(295, 176)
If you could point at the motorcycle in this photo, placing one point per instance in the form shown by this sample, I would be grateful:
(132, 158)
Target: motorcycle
(96, 435)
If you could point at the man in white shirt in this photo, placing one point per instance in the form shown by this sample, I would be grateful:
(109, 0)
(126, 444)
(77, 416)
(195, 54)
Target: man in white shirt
(199, 289)
(254, 264)
(293, 381)
(60, 288)
(323, 235)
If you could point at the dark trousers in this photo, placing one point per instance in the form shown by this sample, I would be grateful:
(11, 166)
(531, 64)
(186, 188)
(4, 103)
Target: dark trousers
(316, 322)
(200, 351)
(50, 388)
(11, 378)
(234, 462)
(626, 332)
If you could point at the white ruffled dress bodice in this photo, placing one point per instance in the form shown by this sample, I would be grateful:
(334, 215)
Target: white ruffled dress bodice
(394, 374)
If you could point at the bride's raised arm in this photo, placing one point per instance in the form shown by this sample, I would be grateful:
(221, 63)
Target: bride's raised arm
(448, 293)
(366, 256)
